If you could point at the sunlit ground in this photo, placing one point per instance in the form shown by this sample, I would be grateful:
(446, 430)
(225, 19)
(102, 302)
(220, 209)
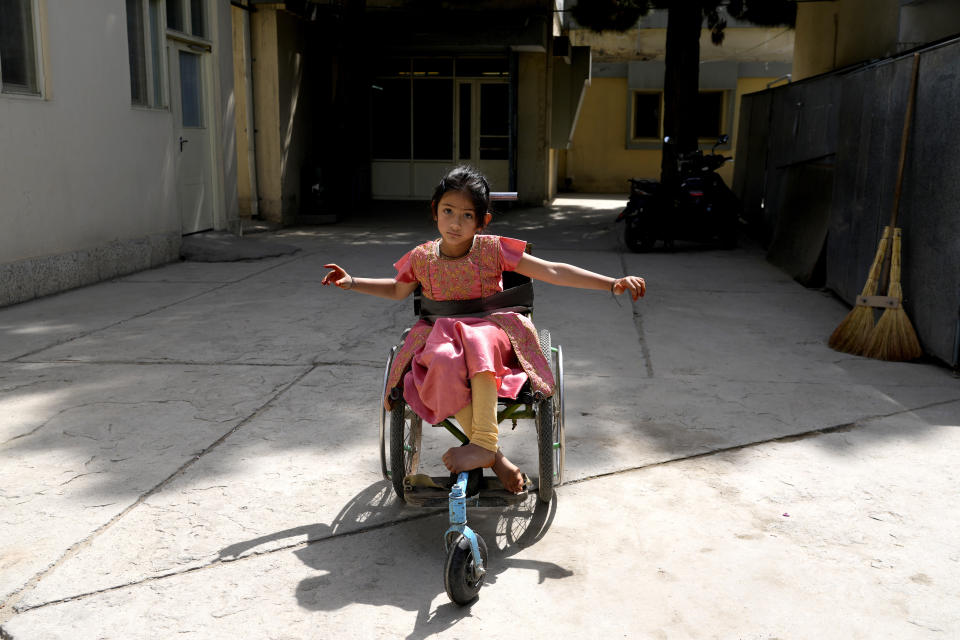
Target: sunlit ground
(590, 201)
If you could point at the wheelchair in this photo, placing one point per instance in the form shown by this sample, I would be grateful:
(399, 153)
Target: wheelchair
(400, 443)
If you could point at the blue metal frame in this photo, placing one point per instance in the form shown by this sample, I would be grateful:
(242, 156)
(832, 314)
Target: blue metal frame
(458, 523)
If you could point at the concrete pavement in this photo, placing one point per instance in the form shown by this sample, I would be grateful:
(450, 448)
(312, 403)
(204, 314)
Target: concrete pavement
(192, 451)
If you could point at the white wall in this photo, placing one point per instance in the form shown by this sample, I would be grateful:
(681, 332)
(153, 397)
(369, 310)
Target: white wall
(87, 181)
(83, 166)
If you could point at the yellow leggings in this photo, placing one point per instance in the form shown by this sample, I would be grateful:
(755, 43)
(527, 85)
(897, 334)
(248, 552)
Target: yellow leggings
(479, 418)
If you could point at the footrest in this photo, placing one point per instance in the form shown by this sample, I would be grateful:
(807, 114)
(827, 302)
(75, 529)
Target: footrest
(424, 491)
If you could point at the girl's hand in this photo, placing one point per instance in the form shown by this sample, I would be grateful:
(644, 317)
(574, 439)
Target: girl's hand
(635, 285)
(337, 277)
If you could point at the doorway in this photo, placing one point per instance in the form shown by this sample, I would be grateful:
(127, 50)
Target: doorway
(428, 114)
(483, 129)
(189, 100)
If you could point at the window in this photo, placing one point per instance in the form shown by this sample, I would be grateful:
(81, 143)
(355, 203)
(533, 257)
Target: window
(483, 67)
(391, 119)
(191, 90)
(187, 16)
(466, 121)
(433, 119)
(145, 51)
(709, 114)
(494, 118)
(647, 115)
(18, 54)
(414, 112)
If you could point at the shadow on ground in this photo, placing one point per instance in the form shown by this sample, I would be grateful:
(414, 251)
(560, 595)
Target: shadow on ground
(400, 563)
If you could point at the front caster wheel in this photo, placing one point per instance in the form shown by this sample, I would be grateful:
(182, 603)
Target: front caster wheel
(459, 574)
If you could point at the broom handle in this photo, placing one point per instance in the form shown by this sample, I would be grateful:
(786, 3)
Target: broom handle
(870, 287)
(905, 138)
(895, 258)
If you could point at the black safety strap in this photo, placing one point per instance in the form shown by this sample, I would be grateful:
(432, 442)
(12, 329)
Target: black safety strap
(518, 299)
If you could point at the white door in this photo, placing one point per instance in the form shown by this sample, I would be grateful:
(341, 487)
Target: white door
(194, 160)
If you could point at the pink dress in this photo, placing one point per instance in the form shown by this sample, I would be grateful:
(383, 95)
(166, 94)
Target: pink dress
(437, 360)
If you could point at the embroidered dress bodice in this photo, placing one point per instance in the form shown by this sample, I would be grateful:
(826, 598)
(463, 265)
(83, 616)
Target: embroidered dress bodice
(438, 359)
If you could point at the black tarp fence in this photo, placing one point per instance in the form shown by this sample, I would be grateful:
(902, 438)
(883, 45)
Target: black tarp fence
(816, 170)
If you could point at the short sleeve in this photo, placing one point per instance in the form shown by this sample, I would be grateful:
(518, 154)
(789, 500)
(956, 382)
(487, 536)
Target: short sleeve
(511, 250)
(404, 267)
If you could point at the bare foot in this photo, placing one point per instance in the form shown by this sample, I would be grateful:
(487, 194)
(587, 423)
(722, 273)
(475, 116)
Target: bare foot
(467, 457)
(509, 473)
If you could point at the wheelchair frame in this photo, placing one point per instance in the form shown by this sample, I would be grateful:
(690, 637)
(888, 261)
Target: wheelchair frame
(466, 551)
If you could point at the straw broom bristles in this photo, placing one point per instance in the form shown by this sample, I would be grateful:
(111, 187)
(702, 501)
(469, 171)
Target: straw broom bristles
(853, 334)
(894, 338)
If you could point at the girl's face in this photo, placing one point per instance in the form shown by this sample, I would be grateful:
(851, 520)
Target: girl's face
(458, 222)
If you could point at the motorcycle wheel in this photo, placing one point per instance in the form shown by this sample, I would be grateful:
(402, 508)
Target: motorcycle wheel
(637, 237)
(728, 239)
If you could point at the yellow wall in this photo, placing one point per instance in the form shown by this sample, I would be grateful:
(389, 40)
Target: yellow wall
(240, 85)
(534, 162)
(867, 29)
(830, 35)
(598, 160)
(267, 112)
(815, 47)
(281, 107)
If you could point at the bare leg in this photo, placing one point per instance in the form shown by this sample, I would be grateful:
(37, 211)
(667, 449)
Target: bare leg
(479, 422)
(509, 473)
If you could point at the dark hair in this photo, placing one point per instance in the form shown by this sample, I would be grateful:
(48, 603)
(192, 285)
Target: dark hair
(469, 181)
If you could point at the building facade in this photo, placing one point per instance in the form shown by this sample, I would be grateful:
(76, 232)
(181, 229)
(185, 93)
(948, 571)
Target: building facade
(357, 100)
(620, 130)
(116, 137)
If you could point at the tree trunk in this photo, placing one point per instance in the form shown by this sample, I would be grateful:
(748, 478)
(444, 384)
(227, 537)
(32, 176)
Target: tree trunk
(680, 85)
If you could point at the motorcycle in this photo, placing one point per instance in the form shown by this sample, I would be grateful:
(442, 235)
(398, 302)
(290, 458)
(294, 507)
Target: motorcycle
(702, 208)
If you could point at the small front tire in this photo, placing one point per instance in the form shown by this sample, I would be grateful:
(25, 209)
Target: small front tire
(460, 577)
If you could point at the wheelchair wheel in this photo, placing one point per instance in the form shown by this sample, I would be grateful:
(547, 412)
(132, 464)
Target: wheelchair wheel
(550, 440)
(459, 572)
(385, 418)
(405, 431)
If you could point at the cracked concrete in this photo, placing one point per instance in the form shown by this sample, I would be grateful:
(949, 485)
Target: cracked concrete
(193, 450)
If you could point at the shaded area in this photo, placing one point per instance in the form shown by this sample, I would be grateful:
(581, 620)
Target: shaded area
(220, 246)
(507, 532)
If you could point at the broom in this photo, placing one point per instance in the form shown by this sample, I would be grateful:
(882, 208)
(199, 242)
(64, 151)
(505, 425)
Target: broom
(895, 339)
(853, 334)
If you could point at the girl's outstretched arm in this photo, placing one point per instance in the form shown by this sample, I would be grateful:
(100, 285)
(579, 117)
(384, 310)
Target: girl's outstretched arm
(381, 287)
(567, 275)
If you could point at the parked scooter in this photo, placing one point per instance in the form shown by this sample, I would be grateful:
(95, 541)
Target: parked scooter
(701, 209)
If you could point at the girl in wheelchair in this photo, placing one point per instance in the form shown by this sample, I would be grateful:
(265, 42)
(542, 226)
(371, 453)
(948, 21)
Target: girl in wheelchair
(459, 366)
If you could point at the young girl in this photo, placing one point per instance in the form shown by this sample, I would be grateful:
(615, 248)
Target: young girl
(459, 366)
